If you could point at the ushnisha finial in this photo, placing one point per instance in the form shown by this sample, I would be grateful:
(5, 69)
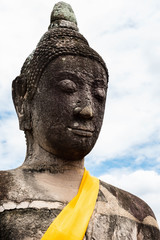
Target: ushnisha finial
(63, 16)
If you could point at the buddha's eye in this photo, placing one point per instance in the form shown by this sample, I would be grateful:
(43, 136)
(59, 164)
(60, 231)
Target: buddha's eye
(67, 86)
(100, 94)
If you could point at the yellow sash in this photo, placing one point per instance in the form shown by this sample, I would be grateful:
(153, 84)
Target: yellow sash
(72, 222)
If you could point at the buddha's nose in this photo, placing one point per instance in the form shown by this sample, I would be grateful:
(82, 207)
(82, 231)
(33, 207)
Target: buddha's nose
(85, 112)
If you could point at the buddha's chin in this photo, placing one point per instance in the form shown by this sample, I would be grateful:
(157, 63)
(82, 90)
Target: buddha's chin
(71, 152)
(73, 146)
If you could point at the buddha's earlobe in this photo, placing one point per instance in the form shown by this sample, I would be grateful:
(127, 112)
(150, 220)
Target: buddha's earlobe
(21, 105)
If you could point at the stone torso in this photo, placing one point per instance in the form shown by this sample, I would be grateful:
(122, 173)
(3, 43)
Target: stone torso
(26, 215)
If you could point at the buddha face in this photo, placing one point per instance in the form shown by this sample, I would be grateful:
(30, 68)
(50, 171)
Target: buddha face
(68, 107)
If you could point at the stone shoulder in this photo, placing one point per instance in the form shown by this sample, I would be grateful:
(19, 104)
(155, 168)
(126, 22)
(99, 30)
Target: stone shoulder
(13, 186)
(127, 204)
(6, 183)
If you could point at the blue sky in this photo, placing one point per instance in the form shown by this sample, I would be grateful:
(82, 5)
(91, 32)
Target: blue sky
(126, 34)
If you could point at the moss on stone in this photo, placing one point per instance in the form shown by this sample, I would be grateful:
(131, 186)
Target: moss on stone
(63, 11)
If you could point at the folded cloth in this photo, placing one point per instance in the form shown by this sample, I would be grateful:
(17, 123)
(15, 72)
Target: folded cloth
(72, 222)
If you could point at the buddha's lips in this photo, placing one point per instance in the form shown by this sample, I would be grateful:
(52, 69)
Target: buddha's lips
(81, 131)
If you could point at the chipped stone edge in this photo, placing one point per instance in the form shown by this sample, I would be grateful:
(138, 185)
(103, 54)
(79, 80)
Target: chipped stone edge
(38, 204)
(11, 205)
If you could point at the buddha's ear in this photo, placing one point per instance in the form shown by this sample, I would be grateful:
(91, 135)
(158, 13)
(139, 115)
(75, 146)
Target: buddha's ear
(19, 89)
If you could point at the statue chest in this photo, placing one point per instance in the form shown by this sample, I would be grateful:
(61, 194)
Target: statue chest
(31, 222)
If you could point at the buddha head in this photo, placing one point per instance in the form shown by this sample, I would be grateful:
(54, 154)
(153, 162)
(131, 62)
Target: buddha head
(60, 93)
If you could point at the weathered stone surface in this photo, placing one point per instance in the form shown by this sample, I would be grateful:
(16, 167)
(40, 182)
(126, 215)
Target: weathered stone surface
(60, 99)
(63, 11)
(110, 220)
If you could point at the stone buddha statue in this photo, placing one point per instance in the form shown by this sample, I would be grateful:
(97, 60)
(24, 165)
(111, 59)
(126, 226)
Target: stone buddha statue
(59, 98)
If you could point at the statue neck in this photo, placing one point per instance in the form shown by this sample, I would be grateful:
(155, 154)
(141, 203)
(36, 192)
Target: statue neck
(60, 178)
(39, 160)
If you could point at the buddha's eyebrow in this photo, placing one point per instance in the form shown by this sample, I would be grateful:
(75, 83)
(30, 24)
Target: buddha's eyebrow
(79, 76)
(67, 74)
(100, 82)
(97, 80)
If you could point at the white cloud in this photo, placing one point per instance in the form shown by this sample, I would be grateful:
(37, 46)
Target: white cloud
(144, 184)
(12, 144)
(132, 111)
